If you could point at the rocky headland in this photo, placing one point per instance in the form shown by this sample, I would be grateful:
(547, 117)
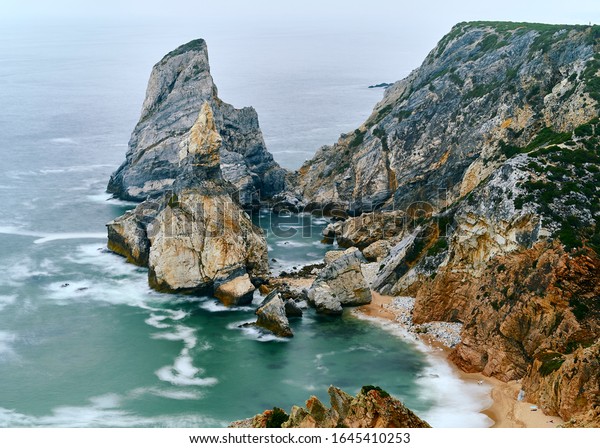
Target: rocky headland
(473, 187)
(472, 190)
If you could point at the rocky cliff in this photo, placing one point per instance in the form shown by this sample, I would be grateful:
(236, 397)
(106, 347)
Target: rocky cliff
(371, 408)
(489, 153)
(179, 84)
(437, 133)
(195, 237)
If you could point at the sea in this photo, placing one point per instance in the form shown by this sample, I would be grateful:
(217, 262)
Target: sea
(84, 342)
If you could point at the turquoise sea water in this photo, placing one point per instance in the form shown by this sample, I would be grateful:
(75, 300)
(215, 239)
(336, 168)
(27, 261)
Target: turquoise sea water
(83, 340)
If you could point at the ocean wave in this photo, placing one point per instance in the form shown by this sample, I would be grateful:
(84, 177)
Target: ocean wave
(255, 333)
(6, 300)
(304, 386)
(289, 243)
(214, 306)
(44, 237)
(20, 174)
(16, 272)
(64, 141)
(458, 404)
(108, 199)
(6, 341)
(183, 372)
(103, 411)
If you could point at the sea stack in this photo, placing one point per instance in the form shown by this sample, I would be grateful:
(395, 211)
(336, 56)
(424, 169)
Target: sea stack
(178, 87)
(197, 162)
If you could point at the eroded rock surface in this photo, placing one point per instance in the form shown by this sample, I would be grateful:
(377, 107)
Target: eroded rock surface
(196, 237)
(371, 408)
(179, 85)
(340, 283)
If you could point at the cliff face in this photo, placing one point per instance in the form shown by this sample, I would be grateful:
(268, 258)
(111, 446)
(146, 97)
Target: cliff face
(179, 84)
(196, 237)
(437, 133)
(498, 135)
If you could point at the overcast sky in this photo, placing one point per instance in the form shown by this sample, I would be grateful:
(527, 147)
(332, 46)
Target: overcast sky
(388, 11)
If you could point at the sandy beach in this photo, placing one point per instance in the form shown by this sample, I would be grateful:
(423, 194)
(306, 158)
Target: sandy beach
(506, 410)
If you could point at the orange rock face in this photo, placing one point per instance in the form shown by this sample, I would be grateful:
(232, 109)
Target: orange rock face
(531, 314)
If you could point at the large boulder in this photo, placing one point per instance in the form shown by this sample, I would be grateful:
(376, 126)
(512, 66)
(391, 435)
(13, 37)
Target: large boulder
(272, 316)
(366, 229)
(340, 283)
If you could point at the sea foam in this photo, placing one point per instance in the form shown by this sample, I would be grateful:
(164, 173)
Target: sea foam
(458, 403)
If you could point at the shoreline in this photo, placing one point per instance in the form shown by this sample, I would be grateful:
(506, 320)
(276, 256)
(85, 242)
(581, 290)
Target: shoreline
(506, 411)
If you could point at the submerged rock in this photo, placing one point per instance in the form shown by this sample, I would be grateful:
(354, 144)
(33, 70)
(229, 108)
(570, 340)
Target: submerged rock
(371, 408)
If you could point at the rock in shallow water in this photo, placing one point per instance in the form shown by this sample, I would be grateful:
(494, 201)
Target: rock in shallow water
(237, 291)
(292, 309)
(272, 316)
(340, 283)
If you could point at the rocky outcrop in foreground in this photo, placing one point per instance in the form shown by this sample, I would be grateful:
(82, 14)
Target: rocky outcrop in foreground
(195, 238)
(179, 85)
(371, 408)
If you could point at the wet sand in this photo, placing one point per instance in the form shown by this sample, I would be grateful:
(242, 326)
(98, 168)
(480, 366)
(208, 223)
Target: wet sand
(506, 410)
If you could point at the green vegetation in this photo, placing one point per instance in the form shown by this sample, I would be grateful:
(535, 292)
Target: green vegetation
(456, 79)
(365, 389)
(550, 362)
(480, 90)
(566, 192)
(276, 418)
(580, 310)
(545, 39)
(381, 114)
(358, 138)
(173, 201)
(545, 137)
(527, 26)
(507, 28)
(402, 114)
(438, 247)
(197, 44)
(591, 78)
(379, 133)
(491, 42)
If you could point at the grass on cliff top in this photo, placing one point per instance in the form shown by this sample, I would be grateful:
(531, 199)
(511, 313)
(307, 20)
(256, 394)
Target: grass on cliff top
(527, 26)
(196, 44)
(277, 418)
(367, 389)
(543, 41)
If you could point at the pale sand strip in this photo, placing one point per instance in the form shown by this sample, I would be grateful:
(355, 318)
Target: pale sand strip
(506, 411)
